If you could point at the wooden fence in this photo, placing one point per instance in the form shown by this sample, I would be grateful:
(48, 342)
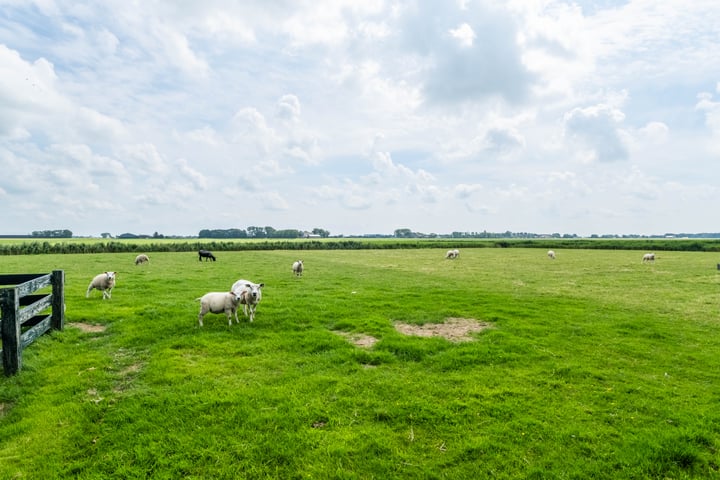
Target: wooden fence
(22, 317)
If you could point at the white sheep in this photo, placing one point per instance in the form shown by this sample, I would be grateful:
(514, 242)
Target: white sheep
(250, 295)
(452, 254)
(103, 282)
(297, 268)
(219, 302)
(551, 254)
(648, 257)
(142, 258)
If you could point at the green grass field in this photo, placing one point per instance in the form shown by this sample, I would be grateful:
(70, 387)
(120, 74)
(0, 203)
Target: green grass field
(596, 366)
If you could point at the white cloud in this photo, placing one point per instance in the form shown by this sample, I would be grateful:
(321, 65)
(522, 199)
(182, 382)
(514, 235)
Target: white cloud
(464, 34)
(288, 107)
(712, 111)
(198, 179)
(273, 201)
(502, 141)
(143, 158)
(598, 128)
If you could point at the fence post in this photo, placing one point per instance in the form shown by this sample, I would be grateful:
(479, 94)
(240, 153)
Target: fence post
(11, 344)
(57, 320)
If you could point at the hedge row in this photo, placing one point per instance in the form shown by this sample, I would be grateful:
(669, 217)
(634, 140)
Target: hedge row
(35, 247)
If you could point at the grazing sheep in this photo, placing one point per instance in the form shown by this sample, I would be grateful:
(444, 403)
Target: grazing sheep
(142, 258)
(452, 254)
(648, 257)
(103, 282)
(250, 295)
(219, 302)
(206, 255)
(297, 268)
(551, 254)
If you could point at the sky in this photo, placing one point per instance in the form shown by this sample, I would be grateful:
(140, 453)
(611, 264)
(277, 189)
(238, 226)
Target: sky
(360, 117)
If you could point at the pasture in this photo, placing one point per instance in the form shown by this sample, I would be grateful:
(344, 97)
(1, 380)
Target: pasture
(593, 365)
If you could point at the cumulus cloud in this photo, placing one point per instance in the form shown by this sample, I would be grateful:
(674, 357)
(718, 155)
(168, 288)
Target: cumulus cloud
(655, 131)
(503, 140)
(18, 176)
(461, 67)
(464, 190)
(348, 194)
(273, 201)
(27, 91)
(206, 135)
(196, 178)
(597, 128)
(711, 109)
(143, 158)
(464, 34)
(228, 28)
(288, 108)
(275, 148)
(254, 137)
(391, 171)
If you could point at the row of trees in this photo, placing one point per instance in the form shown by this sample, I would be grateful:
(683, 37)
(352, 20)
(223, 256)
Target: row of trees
(262, 232)
(407, 233)
(51, 234)
(270, 232)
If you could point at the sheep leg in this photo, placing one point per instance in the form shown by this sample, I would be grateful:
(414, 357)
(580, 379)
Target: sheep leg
(202, 313)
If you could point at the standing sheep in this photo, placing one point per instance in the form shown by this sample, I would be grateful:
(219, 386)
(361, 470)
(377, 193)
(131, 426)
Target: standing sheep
(452, 254)
(103, 282)
(297, 268)
(648, 257)
(219, 302)
(142, 258)
(551, 255)
(207, 255)
(250, 295)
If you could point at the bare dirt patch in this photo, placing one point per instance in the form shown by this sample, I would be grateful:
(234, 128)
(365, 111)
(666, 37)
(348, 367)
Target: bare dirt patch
(88, 328)
(359, 339)
(453, 329)
(134, 368)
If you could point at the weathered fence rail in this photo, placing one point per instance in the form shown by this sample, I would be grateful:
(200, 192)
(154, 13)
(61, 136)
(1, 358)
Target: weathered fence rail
(22, 317)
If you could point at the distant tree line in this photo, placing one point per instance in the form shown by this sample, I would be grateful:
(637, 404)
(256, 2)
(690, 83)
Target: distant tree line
(51, 234)
(133, 235)
(262, 232)
(407, 233)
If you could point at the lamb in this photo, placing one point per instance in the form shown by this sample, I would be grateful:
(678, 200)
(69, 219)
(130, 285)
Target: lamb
(250, 295)
(207, 255)
(648, 257)
(452, 254)
(142, 258)
(219, 302)
(551, 255)
(103, 282)
(297, 268)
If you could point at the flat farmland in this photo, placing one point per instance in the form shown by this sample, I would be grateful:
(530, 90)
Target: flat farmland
(593, 365)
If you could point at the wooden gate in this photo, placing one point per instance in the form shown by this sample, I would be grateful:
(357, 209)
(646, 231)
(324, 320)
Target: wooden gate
(21, 312)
